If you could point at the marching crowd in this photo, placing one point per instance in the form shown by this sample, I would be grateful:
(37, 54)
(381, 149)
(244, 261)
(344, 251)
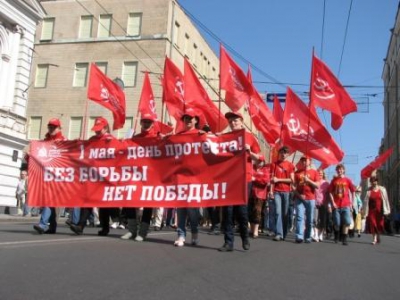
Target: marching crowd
(281, 197)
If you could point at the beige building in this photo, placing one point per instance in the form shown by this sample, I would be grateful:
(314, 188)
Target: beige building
(391, 77)
(124, 38)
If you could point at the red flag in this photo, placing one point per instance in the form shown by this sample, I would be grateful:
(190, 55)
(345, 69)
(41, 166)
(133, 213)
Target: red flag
(197, 97)
(107, 93)
(233, 80)
(147, 104)
(328, 93)
(277, 111)
(262, 116)
(380, 160)
(303, 131)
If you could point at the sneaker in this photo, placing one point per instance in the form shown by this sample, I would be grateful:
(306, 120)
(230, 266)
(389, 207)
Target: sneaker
(114, 225)
(76, 229)
(246, 244)
(39, 229)
(225, 248)
(138, 238)
(315, 239)
(195, 239)
(127, 236)
(299, 241)
(180, 242)
(121, 226)
(307, 241)
(277, 238)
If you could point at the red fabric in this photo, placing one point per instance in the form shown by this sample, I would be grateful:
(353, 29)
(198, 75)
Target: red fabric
(255, 148)
(277, 110)
(304, 188)
(147, 104)
(107, 93)
(233, 80)
(328, 93)
(262, 116)
(197, 97)
(180, 171)
(174, 91)
(262, 177)
(380, 160)
(303, 131)
(282, 169)
(340, 188)
(375, 222)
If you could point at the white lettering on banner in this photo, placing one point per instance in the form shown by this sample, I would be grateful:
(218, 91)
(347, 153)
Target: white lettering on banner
(118, 193)
(184, 192)
(101, 153)
(178, 150)
(58, 174)
(142, 152)
(127, 174)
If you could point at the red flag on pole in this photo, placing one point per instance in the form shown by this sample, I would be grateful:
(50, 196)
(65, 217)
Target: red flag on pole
(328, 93)
(380, 160)
(233, 80)
(147, 104)
(107, 93)
(303, 131)
(277, 110)
(197, 97)
(261, 115)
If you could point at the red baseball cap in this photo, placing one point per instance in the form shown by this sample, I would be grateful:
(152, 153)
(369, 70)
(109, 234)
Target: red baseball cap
(232, 114)
(99, 124)
(148, 117)
(191, 112)
(54, 122)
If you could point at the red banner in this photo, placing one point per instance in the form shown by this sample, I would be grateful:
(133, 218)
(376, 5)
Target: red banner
(179, 171)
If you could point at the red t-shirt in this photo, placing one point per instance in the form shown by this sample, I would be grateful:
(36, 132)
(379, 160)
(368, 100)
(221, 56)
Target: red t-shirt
(282, 169)
(340, 189)
(304, 188)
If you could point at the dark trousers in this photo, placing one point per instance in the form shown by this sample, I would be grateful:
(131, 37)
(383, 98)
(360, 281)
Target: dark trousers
(214, 216)
(130, 213)
(105, 214)
(229, 215)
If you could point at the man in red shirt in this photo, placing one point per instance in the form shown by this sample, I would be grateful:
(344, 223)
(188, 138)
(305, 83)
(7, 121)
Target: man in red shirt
(341, 192)
(282, 179)
(306, 181)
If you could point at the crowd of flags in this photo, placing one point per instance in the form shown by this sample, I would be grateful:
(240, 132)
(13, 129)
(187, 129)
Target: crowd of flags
(296, 126)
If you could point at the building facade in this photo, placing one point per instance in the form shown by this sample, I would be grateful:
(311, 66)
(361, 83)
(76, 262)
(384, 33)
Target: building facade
(391, 75)
(18, 23)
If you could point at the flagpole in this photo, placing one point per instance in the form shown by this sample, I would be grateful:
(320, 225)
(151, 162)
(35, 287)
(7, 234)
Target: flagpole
(310, 103)
(85, 116)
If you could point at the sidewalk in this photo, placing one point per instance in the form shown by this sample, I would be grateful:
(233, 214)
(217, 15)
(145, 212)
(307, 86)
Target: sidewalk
(18, 218)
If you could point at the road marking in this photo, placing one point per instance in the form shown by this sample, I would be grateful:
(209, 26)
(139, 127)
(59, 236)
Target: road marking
(51, 241)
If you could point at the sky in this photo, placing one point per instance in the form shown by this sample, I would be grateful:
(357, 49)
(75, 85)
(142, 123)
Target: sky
(278, 37)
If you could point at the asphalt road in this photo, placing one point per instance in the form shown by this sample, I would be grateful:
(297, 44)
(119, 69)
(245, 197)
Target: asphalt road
(66, 266)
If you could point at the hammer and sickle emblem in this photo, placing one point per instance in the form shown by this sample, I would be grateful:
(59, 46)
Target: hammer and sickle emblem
(293, 125)
(322, 89)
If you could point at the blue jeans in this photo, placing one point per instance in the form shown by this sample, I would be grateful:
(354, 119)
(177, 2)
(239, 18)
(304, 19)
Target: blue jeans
(269, 216)
(304, 208)
(193, 214)
(76, 213)
(48, 219)
(281, 201)
(341, 217)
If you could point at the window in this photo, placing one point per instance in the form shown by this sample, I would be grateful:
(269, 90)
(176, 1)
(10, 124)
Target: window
(75, 128)
(34, 128)
(175, 37)
(127, 129)
(194, 55)
(85, 27)
(104, 26)
(134, 24)
(47, 29)
(80, 74)
(129, 73)
(41, 76)
(102, 66)
(186, 45)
